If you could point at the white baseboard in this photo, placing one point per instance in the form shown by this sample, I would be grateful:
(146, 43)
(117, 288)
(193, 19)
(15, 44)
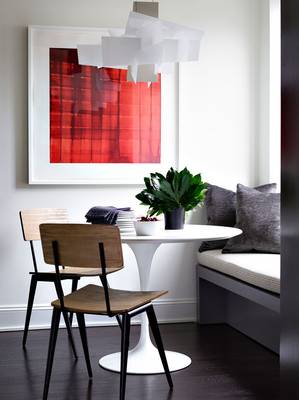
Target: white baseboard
(168, 311)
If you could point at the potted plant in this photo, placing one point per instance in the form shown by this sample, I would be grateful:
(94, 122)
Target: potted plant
(173, 194)
(147, 226)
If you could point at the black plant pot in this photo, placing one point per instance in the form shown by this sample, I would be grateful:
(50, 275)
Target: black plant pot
(175, 219)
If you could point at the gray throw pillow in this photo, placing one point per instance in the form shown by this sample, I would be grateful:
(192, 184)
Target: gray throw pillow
(221, 210)
(258, 215)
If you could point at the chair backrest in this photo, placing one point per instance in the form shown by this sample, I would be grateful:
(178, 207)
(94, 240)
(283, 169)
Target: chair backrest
(32, 218)
(82, 245)
(78, 245)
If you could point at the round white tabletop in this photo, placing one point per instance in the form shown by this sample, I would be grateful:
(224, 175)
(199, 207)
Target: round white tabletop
(189, 233)
(144, 358)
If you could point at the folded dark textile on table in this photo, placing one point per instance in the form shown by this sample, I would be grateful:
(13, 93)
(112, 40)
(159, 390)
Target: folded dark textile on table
(104, 215)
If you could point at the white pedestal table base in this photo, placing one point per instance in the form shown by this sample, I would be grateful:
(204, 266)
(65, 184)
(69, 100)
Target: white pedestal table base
(146, 361)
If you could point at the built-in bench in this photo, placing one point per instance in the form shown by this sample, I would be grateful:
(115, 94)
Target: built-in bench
(242, 290)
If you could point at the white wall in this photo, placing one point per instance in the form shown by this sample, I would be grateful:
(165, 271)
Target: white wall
(269, 106)
(218, 123)
(274, 90)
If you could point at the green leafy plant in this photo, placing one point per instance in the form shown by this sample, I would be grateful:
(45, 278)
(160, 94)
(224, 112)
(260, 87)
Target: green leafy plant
(175, 190)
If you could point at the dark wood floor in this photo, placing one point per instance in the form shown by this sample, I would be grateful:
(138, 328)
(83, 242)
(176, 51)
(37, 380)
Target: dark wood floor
(225, 365)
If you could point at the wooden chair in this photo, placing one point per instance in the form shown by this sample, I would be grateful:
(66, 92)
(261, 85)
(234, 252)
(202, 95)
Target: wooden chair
(30, 221)
(90, 246)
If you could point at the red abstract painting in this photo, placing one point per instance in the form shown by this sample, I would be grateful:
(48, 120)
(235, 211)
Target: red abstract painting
(96, 116)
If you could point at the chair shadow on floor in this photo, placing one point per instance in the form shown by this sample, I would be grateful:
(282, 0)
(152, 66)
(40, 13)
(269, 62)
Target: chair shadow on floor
(29, 372)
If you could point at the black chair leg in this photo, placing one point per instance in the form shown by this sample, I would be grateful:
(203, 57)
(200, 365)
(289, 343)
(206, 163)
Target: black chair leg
(119, 321)
(32, 290)
(66, 318)
(82, 328)
(74, 288)
(125, 340)
(70, 334)
(51, 350)
(158, 339)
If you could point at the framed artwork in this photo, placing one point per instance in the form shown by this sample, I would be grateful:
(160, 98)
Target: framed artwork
(89, 125)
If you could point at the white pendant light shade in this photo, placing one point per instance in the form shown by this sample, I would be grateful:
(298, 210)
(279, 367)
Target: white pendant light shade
(90, 54)
(148, 46)
(119, 51)
(142, 73)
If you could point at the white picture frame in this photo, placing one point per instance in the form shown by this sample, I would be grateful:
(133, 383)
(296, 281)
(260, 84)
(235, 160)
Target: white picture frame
(41, 171)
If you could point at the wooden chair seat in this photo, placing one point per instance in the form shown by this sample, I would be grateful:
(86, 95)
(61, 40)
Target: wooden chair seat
(80, 272)
(91, 300)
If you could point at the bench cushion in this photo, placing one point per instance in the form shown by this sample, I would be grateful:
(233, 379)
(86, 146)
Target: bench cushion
(258, 269)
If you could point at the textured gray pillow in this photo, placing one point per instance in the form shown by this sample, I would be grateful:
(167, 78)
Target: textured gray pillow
(221, 210)
(258, 215)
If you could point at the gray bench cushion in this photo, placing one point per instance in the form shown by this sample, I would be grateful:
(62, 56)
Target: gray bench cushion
(258, 269)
